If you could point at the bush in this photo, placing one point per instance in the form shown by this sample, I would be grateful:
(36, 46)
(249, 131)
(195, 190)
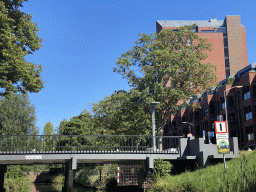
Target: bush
(59, 179)
(161, 167)
(16, 180)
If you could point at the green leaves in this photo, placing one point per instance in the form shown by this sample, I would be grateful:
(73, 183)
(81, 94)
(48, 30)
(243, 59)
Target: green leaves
(17, 116)
(17, 39)
(164, 66)
(122, 113)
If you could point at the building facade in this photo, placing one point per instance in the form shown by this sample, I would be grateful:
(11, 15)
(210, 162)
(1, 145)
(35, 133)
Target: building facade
(241, 110)
(228, 39)
(229, 55)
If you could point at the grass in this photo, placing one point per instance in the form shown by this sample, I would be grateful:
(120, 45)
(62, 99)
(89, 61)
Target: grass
(241, 176)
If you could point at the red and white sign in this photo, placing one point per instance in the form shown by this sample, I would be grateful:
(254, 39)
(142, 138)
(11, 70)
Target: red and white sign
(220, 127)
(189, 135)
(222, 138)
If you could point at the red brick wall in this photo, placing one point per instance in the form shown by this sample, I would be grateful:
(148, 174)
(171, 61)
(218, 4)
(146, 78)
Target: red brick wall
(235, 44)
(244, 46)
(216, 56)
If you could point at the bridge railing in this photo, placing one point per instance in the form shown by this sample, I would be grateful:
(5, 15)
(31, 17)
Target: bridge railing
(87, 144)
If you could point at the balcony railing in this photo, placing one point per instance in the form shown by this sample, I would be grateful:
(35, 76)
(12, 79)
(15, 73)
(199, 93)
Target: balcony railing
(87, 144)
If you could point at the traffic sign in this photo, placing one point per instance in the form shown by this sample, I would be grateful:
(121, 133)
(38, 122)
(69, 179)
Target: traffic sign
(220, 127)
(189, 135)
(222, 137)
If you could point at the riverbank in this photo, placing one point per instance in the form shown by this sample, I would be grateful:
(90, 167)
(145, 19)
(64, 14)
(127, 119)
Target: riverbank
(240, 176)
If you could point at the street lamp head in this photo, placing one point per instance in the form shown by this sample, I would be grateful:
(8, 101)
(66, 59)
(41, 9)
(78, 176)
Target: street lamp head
(153, 104)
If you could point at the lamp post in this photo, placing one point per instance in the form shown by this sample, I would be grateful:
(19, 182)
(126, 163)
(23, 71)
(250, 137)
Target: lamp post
(153, 105)
(227, 118)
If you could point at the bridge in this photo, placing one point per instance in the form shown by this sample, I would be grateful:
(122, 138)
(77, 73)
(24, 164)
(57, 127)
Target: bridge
(72, 149)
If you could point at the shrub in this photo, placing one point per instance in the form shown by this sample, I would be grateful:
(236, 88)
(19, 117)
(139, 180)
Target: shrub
(162, 167)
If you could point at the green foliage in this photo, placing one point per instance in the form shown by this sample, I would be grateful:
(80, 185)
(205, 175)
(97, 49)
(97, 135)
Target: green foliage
(18, 38)
(163, 67)
(17, 116)
(122, 113)
(231, 80)
(48, 128)
(58, 179)
(161, 167)
(102, 177)
(16, 179)
(78, 125)
(241, 177)
(61, 127)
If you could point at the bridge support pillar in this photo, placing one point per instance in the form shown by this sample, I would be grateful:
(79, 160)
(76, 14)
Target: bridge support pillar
(68, 185)
(3, 169)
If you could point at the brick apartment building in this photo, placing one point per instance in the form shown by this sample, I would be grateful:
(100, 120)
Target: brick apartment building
(229, 51)
(229, 55)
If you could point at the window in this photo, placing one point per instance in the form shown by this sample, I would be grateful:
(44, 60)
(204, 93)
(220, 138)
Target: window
(230, 101)
(197, 114)
(254, 90)
(212, 107)
(225, 41)
(226, 62)
(191, 116)
(232, 119)
(248, 112)
(223, 104)
(205, 109)
(225, 52)
(227, 72)
(249, 133)
(174, 125)
(212, 122)
(246, 91)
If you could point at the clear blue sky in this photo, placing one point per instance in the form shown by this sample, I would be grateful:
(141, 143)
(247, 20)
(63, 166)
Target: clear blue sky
(82, 40)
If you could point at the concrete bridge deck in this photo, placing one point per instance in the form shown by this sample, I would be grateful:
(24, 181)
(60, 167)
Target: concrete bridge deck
(184, 149)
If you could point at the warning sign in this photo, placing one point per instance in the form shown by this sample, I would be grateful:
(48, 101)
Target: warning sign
(222, 137)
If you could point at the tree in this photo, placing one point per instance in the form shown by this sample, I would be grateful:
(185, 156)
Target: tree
(18, 38)
(79, 125)
(48, 128)
(17, 116)
(167, 67)
(49, 140)
(122, 113)
(61, 127)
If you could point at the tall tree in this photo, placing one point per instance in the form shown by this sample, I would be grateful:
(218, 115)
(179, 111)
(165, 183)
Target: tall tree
(18, 38)
(48, 128)
(122, 113)
(168, 68)
(61, 127)
(49, 141)
(79, 125)
(17, 116)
